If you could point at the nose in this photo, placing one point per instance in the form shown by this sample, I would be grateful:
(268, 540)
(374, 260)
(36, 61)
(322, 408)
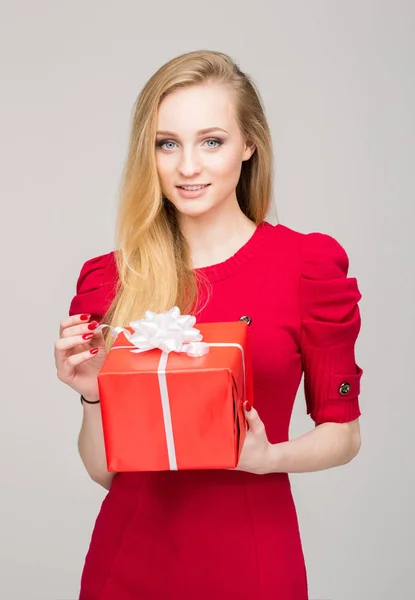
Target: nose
(189, 164)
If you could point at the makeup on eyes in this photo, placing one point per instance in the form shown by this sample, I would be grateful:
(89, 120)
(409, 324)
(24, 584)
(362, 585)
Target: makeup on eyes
(162, 136)
(218, 141)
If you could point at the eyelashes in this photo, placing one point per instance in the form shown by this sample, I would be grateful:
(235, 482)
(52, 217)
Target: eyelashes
(161, 143)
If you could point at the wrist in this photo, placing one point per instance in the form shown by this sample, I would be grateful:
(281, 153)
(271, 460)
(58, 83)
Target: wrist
(89, 400)
(274, 459)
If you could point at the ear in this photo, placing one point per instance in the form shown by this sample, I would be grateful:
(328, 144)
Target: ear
(249, 149)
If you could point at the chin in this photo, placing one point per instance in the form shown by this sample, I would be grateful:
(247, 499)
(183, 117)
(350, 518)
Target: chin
(193, 211)
(193, 208)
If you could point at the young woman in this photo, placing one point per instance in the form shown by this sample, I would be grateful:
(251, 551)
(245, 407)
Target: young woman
(196, 191)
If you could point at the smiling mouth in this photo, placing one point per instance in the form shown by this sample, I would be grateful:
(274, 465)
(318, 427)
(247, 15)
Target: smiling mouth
(193, 188)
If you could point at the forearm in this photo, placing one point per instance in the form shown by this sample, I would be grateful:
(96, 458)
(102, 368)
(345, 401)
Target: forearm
(91, 445)
(327, 445)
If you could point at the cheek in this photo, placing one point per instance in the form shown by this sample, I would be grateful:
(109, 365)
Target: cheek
(165, 167)
(227, 163)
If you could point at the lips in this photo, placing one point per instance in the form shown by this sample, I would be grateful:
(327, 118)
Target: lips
(192, 191)
(193, 187)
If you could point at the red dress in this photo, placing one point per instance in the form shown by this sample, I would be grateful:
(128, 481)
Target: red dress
(203, 535)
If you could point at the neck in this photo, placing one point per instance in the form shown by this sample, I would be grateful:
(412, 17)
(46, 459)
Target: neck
(213, 238)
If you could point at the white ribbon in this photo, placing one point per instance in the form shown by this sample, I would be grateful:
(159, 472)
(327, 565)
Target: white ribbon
(170, 332)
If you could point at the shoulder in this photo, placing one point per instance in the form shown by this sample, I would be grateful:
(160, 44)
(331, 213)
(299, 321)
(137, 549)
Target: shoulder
(320, 255)
(95, 285)
(327, 294)
(323, 257)
(95, 271)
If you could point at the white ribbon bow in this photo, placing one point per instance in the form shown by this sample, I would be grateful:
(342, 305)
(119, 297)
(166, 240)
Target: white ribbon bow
(169, 331)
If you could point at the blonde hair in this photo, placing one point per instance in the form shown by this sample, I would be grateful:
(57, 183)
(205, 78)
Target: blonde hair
(152, 255)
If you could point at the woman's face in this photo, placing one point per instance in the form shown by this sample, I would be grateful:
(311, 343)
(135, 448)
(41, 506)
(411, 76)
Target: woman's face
(199, 143)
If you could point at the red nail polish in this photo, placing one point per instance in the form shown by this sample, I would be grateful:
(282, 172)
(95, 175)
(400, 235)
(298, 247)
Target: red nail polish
(94, 350)
(93, 325)
(84, 317)
(87, 336)
(248, 407)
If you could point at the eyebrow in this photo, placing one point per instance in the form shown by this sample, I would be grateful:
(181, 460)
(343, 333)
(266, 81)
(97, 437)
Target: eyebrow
(200, 132)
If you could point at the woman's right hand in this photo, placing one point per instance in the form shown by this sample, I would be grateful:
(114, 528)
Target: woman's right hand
(79, 355)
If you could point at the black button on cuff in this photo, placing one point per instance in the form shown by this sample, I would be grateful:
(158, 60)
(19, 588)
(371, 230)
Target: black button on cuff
(344, 388)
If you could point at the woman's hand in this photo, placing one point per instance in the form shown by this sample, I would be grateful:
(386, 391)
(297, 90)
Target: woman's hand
(79, 355)
(256, 452)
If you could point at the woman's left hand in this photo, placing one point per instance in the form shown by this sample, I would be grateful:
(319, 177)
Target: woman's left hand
(256, 452)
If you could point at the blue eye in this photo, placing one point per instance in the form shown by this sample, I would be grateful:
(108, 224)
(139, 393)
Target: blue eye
(162, 143)
(215, 141)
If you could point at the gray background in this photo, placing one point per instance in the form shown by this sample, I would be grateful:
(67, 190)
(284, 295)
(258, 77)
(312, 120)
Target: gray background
(337, 78)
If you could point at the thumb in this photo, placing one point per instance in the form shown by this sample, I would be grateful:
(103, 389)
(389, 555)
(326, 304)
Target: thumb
(253, 419)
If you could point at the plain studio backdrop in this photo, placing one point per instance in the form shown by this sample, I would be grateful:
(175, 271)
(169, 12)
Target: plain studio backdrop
(337, 80)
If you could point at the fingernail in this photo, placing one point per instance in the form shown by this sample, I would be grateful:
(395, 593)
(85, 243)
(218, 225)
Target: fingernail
(93, 325)
(84, 317)
(87, 336)
(94, 350)
(248, 407)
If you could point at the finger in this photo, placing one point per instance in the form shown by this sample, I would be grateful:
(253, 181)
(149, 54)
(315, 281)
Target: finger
(76, 359)
(73, 320)
(66, 370)
(254, 422)
(68, 343)
(64, 347)
(80, 329)
(66, 362)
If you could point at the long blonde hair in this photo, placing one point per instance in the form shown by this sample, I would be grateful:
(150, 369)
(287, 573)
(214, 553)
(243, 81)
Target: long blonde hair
(152, 256)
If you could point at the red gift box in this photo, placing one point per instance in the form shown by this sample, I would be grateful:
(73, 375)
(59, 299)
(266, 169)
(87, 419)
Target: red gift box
(168, 411)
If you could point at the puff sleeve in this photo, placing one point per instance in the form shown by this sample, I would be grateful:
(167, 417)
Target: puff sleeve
(330, 324)
(95, 287)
